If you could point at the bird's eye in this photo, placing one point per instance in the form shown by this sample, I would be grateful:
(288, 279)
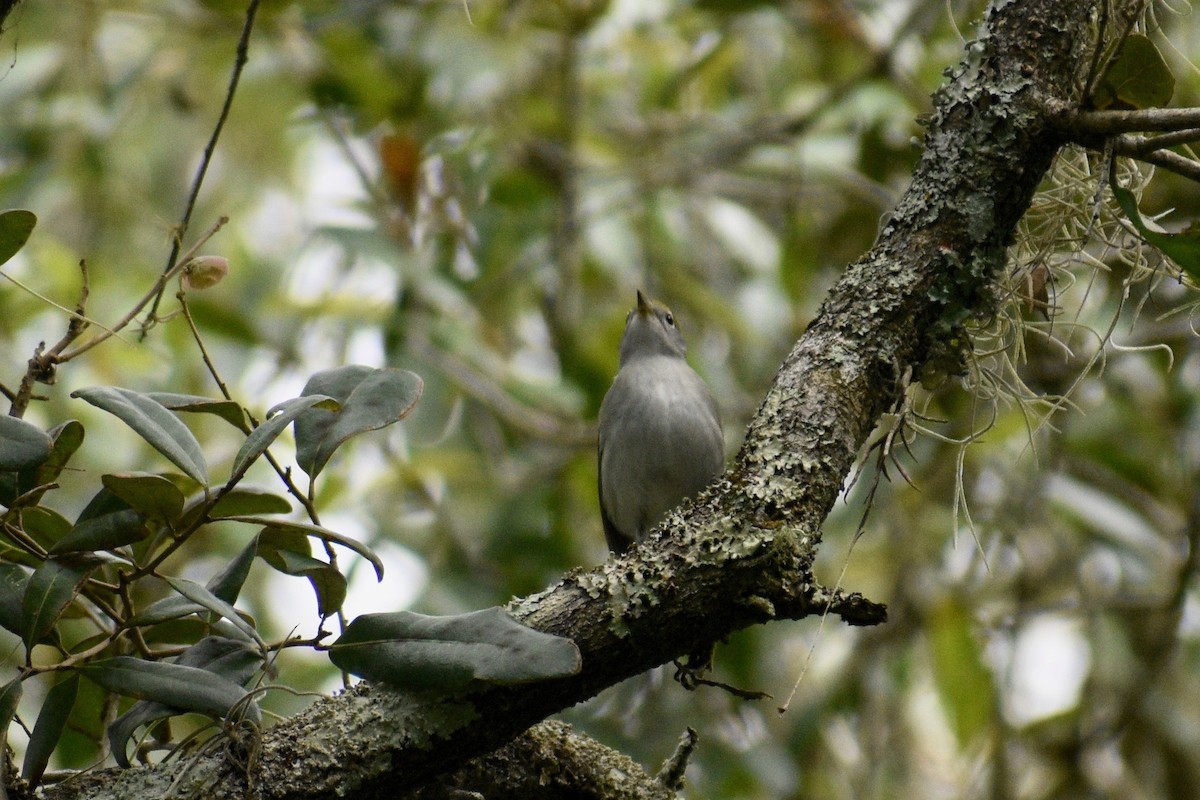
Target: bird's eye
(670, 318)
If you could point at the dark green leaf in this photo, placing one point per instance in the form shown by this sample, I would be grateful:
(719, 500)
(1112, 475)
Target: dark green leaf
(154, 423)
(327, 582)
(15, 227)
(227, 584)
(248, 500)
(963, 682)
(420, 652)
(320, 533)
(278, 418)
(10, 697)
(169, 608)
(228, 658)
(273, 540)
(1137, 77)
(48, 729)
(182, 687)
(67, 438)
(103, 533)
(45, 525)
(370, 399)
(233, 659)
(156, 497)
(1182, 248)
(227, 410)
(13, 581)
(22, 446)
(202, 596)
(50, 589)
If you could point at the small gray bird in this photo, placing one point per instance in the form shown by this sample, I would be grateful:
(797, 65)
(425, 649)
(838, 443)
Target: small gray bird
(660, 436)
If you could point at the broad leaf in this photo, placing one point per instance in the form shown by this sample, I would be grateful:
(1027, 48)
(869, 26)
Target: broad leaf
(1137, 77)
(1182, 248)
(248, 500)
(963, 682)
(154, 423)
(278, 418)
(105, 532)
(22, 446)
(202, 596)
(227, 410)
(227, 584)
(172, 607)
(67, 438)
(50, 589)
(228, 658)
(156, 497)
(15, 227)
(420, 652)
(327, 582)
(10, 697)
(48, 729)
(320, 533)
(370, 399)
(13, 582)
(45, 525)
(183, 687)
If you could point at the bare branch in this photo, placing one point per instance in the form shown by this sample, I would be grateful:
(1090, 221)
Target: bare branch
(239, 63)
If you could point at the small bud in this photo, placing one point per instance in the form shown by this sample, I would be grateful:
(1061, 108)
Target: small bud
(205, 271)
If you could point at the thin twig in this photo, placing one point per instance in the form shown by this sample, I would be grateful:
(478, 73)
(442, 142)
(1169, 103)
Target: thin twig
(239, 63)
(155, 291)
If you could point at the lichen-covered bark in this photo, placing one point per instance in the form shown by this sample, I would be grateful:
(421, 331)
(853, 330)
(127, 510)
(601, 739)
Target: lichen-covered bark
(743, 553)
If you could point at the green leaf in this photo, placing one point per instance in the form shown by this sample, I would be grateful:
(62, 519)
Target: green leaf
(1182, 248)
(327, 582)
(1137, 77)
(169, 608)
(67, 438)
(13, 582)
(15, 227)
(45, 525)
(963, 683)
(248, 500)
(106, 532)
(10, 697)
(370, 399)
(50, 589)
(22, 446)
(228, 658)
(278, 418)
(227, 410)
(154, 496)
(48, 729)
(320, 533)
(154, 423)
(227, 584)
(288, 550)
(183, 687)
(420, 652)
(202, 596)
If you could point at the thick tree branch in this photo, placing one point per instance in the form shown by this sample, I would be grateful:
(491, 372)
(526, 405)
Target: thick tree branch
(742, 554)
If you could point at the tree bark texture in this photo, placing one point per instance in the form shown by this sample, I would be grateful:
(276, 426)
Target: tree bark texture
(742, 553)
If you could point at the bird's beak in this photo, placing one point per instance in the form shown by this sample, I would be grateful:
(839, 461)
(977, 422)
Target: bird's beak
(643, 307)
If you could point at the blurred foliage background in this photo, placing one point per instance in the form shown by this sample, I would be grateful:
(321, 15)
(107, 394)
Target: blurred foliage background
(473, 191)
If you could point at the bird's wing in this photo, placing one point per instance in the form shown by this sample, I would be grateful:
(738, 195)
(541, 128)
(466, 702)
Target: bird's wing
(616, 541)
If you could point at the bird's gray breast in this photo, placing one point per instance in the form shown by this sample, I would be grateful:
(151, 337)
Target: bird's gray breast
(661, 441)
